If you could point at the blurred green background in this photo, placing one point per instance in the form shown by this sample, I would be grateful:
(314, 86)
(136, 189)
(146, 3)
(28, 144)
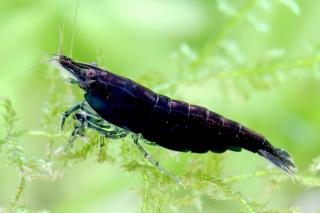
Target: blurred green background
(256, 62)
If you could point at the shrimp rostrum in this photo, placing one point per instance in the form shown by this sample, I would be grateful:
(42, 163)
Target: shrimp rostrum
(129, 107)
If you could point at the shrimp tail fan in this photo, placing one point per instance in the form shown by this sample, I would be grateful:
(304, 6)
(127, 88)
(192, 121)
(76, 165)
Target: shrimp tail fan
(280, 158)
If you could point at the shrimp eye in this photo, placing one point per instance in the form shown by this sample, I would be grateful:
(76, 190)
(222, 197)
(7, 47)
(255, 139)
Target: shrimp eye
(91, 73)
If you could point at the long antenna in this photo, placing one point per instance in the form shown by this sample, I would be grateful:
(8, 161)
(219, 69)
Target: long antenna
(74, 27)
(19, 75)
(61, 33)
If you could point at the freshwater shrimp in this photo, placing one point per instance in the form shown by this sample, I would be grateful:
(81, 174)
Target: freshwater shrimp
(111, 99)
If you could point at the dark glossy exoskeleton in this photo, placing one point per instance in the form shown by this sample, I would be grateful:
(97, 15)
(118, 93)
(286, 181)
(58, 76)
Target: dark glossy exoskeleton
(172, 124)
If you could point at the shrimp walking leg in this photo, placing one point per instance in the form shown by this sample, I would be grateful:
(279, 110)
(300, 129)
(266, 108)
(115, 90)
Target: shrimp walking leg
(79, 129)
(114, 134)
(148, 157)
(67, 113)
(108, 131)
(84, 107)
(87, 118)
(101, 149)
